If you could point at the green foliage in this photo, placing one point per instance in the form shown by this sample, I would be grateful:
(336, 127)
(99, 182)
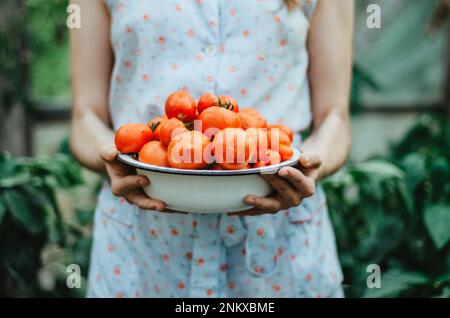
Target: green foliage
(395, 212)
(49, 49)
(34, 52)
(12, 56)
(437, 222)
(30, 218)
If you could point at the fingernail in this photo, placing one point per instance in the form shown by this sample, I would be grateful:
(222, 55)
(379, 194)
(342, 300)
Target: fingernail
(304, 159)
(283, 173)
(251, 200)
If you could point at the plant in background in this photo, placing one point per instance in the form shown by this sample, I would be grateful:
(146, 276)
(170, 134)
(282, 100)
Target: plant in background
(31, 221)
(47, 38)
(395, 212)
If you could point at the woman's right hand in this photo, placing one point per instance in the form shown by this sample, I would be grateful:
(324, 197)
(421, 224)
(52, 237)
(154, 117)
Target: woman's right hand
(125, 183)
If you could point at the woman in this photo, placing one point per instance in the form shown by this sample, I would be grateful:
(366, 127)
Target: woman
(129, 55)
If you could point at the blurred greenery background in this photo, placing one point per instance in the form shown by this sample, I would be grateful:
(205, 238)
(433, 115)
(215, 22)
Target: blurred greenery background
(390, 205)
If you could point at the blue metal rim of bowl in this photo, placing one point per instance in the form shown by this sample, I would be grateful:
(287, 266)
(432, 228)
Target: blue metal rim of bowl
(131, 161)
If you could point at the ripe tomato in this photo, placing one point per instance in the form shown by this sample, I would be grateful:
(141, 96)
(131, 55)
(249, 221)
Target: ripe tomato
(155, 126)
(207, 100)
(270, 158)
(286, 152)
(276, 137)
(250, 118)
(169, 129)
(130, 138)
(154, 153)
(189, 150)
(280, 141)
(214, 119)
(284, 128)
(259, 135)
(232, 148)
(181, 105)
(229, 103)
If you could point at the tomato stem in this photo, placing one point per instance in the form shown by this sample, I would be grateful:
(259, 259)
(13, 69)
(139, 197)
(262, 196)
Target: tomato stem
(154, 126)
(227, 105)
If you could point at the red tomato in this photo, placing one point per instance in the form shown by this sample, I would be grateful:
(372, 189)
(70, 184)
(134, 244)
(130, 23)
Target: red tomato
(229, 103)
(286, 152)
(270, 158)
(233, 148)
(284, 128)
(189, 150)
(154, 153)
(169, 129)
(250, 118)
(181, 105)
(214, 119)
(130, 138)
(207, 100)
(155, 126)
(259, 135)
(276, 137)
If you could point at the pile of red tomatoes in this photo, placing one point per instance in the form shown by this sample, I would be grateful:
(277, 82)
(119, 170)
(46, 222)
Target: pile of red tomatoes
(211, 133)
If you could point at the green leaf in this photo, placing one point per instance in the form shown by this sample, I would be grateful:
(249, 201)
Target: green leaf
(54, 219)
(437, 222)
(380, 170)
(17, 204)
(14, 181)
(396, 282)
(445, 293)
(85, 217)
(440, 176)
(406, 198)
(414, 165)
(8, 166)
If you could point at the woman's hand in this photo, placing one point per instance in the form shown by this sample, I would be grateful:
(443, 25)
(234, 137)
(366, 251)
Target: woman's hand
(126, 184)
(291, 185)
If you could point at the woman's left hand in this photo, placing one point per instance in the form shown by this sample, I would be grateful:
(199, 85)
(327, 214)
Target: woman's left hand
(291, 186)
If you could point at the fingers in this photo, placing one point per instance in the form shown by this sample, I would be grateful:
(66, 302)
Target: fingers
(173, 211)
(262, 204)
(108, 153)
(114, 167)
(304, 185)
(121, 186)
(289, 194)
(138, 198)
(127, 185)
(310, 160)
(290, 184)
(251, 212)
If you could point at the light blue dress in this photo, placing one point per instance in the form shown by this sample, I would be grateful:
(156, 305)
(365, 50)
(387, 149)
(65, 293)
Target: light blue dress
(254, 50)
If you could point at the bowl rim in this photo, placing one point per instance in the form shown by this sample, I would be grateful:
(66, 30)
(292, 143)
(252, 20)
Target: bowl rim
(130, 161)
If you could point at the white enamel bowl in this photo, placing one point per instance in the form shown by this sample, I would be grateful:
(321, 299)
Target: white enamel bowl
(205, 191)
